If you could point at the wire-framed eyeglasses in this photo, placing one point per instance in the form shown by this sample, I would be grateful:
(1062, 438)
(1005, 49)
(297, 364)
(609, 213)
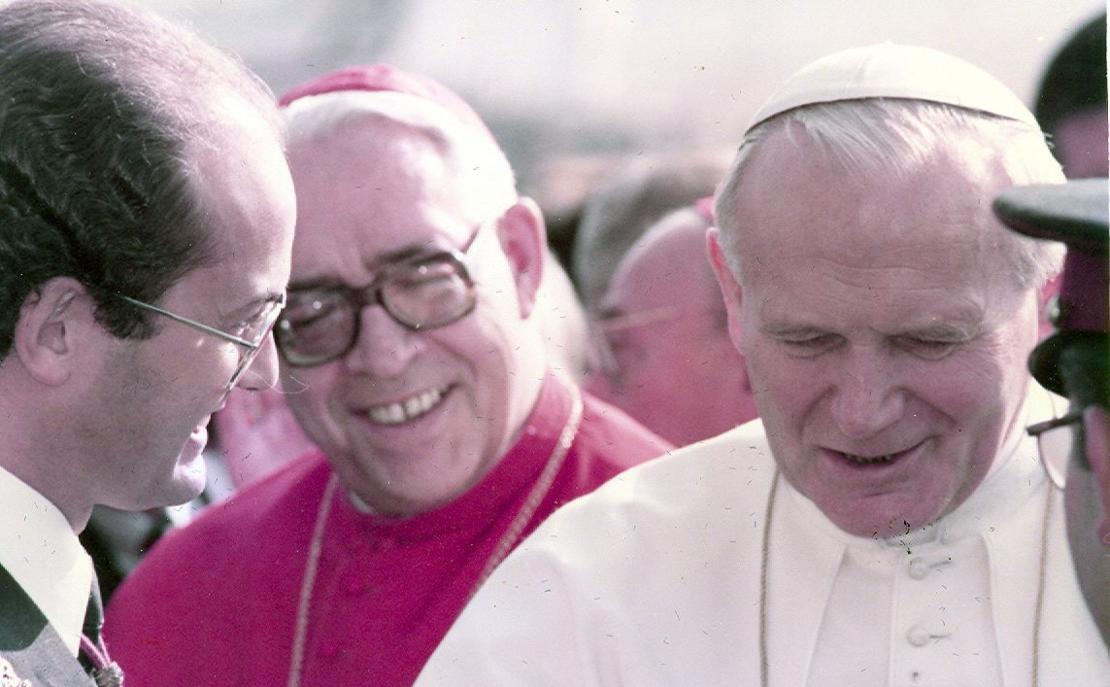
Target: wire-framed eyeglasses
(1055, 440)
(251, 335)
(421, 292)
(603, 359)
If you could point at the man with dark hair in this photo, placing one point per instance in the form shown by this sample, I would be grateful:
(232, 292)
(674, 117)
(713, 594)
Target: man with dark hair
(1071, 102)
(146, 216)
(1075, 362)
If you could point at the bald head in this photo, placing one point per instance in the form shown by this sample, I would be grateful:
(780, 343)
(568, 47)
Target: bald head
(668, 360)
(667, 267)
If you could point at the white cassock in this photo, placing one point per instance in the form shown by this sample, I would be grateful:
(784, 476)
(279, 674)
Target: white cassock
(655, 579)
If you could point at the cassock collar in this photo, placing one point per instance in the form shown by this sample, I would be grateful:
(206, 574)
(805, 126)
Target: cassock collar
(514, 473)
(41, 552)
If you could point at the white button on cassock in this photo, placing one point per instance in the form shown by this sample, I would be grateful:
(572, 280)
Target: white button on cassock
(918, 636)
(919, 569)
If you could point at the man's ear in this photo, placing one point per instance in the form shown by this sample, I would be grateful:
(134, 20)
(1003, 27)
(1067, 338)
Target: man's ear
(51, 324)
(726, 280)
(1049, 291)
(1096, 443)
(524, 242)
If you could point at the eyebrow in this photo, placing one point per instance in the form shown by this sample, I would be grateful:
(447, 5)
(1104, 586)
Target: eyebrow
(944, 331)
(254, 304)
(613, 319)
(312, 284)
(374, 264)
(785, 329)
(404, 253)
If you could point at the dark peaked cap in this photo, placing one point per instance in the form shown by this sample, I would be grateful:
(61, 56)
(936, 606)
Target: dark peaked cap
(1076, 214)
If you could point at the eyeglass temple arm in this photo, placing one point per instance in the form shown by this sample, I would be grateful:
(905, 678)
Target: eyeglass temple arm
(191, 323)
(1039, 428)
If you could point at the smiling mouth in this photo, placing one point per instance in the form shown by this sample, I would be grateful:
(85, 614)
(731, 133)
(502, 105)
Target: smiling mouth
(867, 460)
(875, 460)
(409, 409)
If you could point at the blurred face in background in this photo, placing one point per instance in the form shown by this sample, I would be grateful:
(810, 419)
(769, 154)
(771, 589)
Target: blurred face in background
(410, 419)
(665, 355)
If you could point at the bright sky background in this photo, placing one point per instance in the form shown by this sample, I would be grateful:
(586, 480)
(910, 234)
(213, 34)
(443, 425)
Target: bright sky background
(563, 75)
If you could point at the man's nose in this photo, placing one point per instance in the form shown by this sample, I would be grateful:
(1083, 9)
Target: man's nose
(868, 397)
(263, 370)
(384, 347)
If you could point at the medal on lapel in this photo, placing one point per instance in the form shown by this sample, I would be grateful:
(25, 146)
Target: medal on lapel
(110, 675)
(8, 677)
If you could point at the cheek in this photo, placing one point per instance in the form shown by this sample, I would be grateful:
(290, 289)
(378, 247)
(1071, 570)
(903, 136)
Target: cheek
(975, 392)
(305, 386)
(784, 387)
(310, 392)
(483, 357)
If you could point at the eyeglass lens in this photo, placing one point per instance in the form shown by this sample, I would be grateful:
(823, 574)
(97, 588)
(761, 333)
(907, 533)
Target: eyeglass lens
(319, 325)
(256, 332)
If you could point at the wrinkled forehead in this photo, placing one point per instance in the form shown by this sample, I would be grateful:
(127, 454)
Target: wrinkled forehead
(795, 202)
(368, 165)
(387, 161)
(367, 192)
(374, 117)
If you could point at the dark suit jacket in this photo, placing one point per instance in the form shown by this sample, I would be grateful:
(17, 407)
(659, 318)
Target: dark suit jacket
(30, 644)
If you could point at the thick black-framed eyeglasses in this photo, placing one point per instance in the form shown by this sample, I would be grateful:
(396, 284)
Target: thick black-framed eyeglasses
(250, 340)
(420, 292)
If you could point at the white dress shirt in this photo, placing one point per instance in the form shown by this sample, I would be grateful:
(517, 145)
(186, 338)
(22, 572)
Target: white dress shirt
(42, 553)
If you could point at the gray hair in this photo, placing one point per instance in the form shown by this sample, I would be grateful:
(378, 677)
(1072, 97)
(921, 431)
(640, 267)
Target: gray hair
(635, 198)
(894, 137)
(478, 156)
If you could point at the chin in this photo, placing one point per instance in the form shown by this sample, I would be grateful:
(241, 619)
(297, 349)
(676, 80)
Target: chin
(187, 482)
(885, 521)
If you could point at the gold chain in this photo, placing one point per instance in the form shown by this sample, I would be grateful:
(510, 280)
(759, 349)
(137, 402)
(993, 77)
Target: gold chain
(309, 580)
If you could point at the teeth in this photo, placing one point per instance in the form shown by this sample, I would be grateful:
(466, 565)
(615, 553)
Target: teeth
(867, 460)
(409, 409)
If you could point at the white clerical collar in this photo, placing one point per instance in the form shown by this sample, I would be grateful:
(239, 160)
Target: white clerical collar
(1014, 476)
(40, 551)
